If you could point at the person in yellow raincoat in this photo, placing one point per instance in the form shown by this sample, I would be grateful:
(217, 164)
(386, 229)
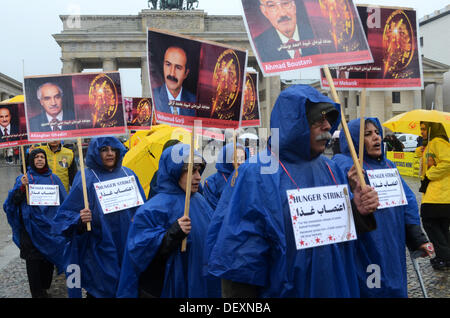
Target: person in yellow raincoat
(435, 186)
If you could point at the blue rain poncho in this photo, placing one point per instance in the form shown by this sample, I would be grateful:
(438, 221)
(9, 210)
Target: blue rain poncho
(216, 182)
(98, 252)
(185, 272)
(384, 246)
(255, 243)
(37, 220)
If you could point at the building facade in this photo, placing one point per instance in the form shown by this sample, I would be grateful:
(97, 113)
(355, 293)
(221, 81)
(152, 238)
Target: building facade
(9, 87)
(435, 45)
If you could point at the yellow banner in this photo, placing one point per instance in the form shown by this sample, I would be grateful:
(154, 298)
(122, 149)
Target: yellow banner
(407, 163)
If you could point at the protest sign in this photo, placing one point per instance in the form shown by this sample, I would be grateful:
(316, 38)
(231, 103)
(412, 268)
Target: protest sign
(407, 163)
(250, 113)
(74, 105)
(118, 194)
(388, 184)
(13, 127)
(392, 36)
(44, 194)
(138, 113)
(193, 79)
(321, 216)
(292, 34)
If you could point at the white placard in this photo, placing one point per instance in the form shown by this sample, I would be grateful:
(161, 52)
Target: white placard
(44, 194)
(118, 194)
(321, 216)
(388, 184)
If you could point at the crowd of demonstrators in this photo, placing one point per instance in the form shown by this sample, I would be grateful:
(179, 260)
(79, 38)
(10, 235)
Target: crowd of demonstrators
(239, 232)
(435, 181)
(260, 231)
(31, 224)
(396, 226)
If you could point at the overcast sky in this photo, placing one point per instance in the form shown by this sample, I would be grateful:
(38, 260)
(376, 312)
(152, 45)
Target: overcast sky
(26, 29)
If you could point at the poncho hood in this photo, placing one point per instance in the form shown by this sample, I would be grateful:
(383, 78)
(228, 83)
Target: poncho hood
(289, 116)
(93, 159)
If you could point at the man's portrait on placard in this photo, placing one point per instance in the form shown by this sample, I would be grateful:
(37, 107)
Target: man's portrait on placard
(50, 104)
(10, 129)
(173, 63)
(291, 29)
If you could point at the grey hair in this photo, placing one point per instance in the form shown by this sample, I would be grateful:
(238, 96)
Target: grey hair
(39, 90)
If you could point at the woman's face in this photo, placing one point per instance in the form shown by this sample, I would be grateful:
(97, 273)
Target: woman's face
(39, 161)
(372, 140)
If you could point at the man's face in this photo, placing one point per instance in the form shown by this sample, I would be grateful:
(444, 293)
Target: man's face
(175, 71)
(108, 156)
(51, 99)
(372, 140)
(424, 131)
(319, 136)
(5, 117)
(54, 143)
(195, 181)
(282, 14)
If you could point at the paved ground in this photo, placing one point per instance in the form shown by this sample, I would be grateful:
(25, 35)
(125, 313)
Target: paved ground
(14, 283)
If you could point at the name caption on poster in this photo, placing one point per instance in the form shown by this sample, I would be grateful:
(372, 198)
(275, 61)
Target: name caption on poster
(226, 308)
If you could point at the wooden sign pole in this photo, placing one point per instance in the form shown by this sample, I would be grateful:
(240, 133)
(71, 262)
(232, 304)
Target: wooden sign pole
(362, 113)
(24, 167)
(189, 183)
(83, 179)
(345, 126)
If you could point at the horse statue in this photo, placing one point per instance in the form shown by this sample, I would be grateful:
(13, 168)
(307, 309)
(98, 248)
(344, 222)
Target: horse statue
(153, 3)
(190, 4)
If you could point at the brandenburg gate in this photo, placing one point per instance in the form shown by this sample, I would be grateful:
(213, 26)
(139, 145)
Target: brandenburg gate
(110, 42)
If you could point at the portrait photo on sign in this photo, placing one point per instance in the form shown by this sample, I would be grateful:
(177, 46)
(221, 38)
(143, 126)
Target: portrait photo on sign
(13, 127)
(192, 79)
(392, 36)
(74, 105)
(294, 34)
(49, 104)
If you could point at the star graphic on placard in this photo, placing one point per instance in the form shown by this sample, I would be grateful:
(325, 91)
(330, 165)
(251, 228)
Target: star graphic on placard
(330, 238)
(294, 218)
(317, 240)
(393, 202)
(291, 197)
(403, 201)
(349, 235)
(302, 242)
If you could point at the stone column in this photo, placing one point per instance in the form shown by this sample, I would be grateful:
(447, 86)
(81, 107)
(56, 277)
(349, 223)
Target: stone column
(424, 97)
(109, 64)
(145, 81)
(68, 66)
(417, 100)
(438, 97)
(272, 84)
(351, 109)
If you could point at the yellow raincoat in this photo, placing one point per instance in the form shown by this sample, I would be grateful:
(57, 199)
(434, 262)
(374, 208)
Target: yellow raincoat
(436, 166)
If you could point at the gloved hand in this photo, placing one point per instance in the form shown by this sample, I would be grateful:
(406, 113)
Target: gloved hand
(424, 185)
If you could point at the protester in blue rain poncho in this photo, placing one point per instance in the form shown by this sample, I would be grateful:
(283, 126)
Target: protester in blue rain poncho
(98, 252)
(255, 252)
(396, 226)
(31, 225)
(216, 182)
(154, 265)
